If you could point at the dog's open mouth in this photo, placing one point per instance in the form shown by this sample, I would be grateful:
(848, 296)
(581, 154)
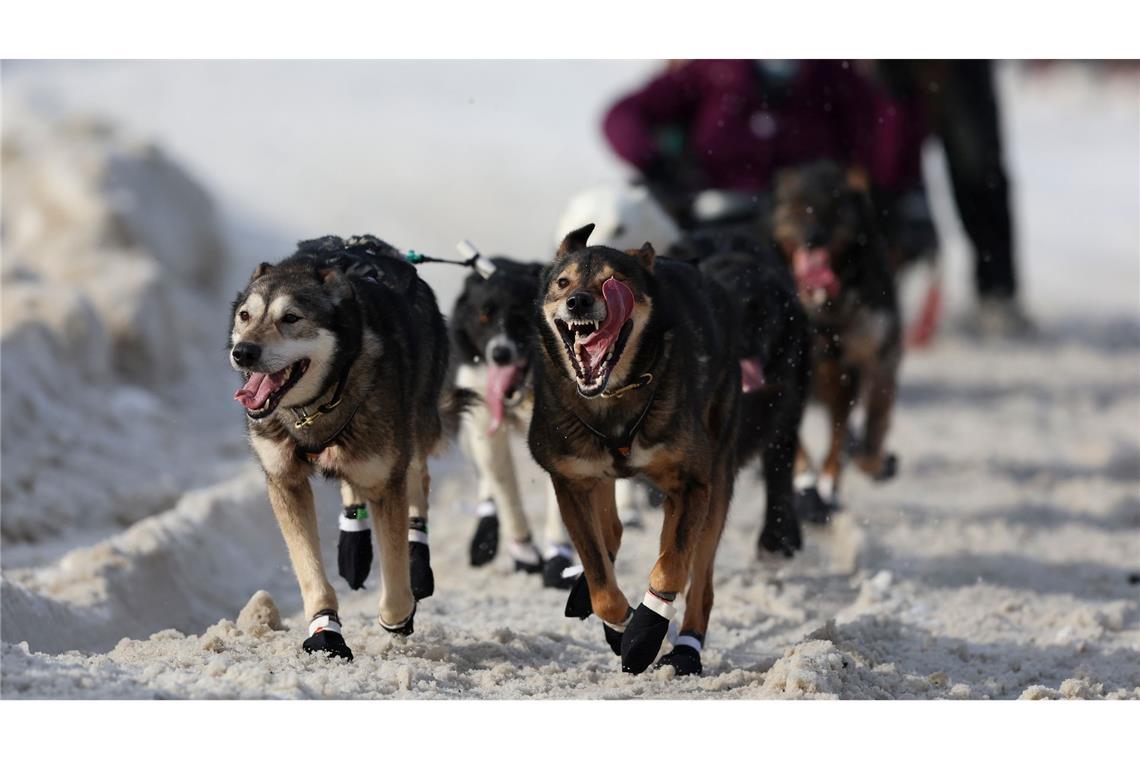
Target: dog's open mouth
(815, 278)
(263, 391)
(596, 347)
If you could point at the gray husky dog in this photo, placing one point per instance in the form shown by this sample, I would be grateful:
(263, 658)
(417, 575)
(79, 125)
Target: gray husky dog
(344, 354)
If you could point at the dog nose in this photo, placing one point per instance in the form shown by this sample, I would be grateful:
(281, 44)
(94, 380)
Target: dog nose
(246, 353)
(579, 303)
(502, 355)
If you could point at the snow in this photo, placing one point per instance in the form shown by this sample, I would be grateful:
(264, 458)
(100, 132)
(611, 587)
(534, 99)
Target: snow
(140, 555)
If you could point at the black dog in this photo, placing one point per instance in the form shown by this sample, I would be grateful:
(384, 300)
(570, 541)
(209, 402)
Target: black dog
(773, 344)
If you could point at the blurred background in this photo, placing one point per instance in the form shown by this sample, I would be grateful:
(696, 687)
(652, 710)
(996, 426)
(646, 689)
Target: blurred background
(138, 196)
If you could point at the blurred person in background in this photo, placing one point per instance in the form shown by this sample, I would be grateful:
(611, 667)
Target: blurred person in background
(957, 100)
(733, 124)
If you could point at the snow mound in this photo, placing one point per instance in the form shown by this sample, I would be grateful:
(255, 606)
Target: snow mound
(181, 569)
(111, 255)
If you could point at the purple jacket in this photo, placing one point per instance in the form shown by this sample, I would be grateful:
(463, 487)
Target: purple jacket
(738, 130)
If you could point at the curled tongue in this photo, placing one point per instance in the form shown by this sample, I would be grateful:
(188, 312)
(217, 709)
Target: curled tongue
(500, 378)
(812, 268)
(751, 374)
(619, 305)
(256, 390)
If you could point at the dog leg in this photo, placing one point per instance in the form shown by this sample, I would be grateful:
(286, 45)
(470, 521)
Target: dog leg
(292, 501)
(558, 568)
(419, 554)
(685, 656)
(881, 389)
(389, 509)
(686, 509)
(629, 496)
(498, 491)
(578, 502)
(838, 390)
(781, 533)
(354, 543)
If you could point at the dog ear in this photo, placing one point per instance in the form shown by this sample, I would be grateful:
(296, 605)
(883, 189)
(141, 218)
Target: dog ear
(645, 254)
(262, 270)
(575, 241)
(336, 283)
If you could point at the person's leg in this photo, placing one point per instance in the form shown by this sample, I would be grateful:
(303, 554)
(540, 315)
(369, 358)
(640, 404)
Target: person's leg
(966, 115)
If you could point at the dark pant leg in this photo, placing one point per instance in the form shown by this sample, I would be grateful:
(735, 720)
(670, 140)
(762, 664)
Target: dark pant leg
(967, 119)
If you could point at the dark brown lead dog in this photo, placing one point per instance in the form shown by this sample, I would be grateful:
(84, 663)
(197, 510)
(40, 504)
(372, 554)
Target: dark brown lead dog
(826, 229)
(636, 375)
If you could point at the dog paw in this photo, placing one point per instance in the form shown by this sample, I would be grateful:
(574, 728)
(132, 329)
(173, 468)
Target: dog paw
(890, 467)
(485, 542)
(685, 661)
(526, 557)
(878, 467)
(423, 580)
(578, 604)
(354, 546)
(329, 642)
(405, 628)
(558, 571)
(781, 534)
(642, 638)
(613, 638)
(813, 507)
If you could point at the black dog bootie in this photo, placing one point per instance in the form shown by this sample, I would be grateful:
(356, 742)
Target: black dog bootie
(558, 570)
(354, 546)
(325, 636)
(643, 636)
(404, 627)
(686, 655)
(578, 604)
(423, 580)
(614, 633)
(485, 542)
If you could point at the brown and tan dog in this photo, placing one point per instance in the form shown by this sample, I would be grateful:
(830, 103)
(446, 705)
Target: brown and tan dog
(825, 228)
(636, 376)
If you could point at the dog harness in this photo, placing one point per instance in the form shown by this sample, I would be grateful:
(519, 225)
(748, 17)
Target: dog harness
(621, 447)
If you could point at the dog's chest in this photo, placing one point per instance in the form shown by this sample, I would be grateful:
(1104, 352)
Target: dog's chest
(336, 461)
(641, 460)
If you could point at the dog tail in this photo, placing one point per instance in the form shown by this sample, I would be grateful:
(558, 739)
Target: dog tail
(455, 403)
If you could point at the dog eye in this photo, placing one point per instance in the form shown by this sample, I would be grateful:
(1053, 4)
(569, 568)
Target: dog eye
(290, 319)
(243, 316)
(563, 282)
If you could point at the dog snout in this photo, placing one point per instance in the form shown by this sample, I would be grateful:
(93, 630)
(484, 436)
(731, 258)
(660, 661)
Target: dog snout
(580, 304)
(502, 355)
(246, 353)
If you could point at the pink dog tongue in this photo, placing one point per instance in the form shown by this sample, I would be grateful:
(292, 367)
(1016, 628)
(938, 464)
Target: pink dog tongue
(751, 375)
(256, 390)
(812, 268)
(619, 305)
(499, 381)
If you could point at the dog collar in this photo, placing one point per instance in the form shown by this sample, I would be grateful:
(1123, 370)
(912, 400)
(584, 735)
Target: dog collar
(304, 419)
(311, 453)
(641, 382)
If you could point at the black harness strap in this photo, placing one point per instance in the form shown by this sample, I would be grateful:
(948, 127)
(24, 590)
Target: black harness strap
(620, 448)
